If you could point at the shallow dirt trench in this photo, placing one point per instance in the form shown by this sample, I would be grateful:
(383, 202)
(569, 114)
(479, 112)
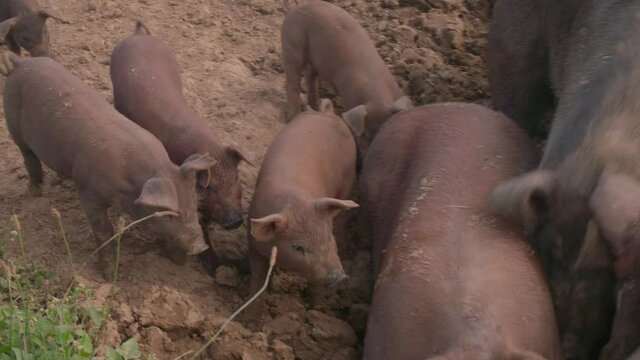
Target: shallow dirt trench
(229, 54)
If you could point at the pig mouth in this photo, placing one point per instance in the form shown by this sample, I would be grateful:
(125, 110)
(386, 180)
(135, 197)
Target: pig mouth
(335, 278)
(233, 224)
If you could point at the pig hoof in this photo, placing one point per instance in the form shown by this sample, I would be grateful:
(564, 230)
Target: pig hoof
(34, 190)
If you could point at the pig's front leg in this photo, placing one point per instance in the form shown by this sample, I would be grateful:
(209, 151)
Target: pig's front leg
(252, 316)
(96, 212)
(208, 258)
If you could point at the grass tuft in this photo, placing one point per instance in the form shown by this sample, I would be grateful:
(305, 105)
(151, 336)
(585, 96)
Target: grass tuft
(38, 324)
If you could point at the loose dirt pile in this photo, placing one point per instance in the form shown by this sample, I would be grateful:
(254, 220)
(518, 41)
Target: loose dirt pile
(229, 54)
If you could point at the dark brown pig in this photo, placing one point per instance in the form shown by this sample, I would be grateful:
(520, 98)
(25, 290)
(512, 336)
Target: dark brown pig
(24, 26)
(577, 60)
(148, 90)
(322, 39)
(453, 282)
(56, 119)
(306, 176)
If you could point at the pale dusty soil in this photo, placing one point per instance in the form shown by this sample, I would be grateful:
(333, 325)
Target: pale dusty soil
(229, 54)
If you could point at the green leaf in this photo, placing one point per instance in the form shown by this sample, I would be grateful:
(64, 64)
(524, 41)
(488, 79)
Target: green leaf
(112, 354)
(129, 349)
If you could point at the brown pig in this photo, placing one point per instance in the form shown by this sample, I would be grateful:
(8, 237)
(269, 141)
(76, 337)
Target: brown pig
(56, 119)
(148, 90)
(322, 39)
(24, 26)
(453, 282)
(306, 176)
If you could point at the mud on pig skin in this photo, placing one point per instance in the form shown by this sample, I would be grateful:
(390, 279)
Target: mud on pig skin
(56, 119)
(321, 39)
(306, 176)
(577, 61)
(23, 25)
(148, 90)
(453, 282)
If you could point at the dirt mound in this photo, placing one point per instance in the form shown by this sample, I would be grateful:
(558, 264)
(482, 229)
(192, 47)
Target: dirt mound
(229, 54)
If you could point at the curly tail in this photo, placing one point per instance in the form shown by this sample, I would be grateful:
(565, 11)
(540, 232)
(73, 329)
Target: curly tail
(142, 29)
(9, 62)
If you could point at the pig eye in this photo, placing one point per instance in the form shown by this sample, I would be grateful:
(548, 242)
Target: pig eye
(299, 248)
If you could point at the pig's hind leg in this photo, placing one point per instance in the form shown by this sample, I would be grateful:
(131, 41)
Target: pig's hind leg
(293, 66)
(311, 79)
(34, 169)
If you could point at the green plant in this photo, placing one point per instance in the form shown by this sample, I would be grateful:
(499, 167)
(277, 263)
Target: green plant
(36, 324)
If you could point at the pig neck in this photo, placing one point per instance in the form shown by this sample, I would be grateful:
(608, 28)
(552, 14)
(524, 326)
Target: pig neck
(192, 136)
(369, 88)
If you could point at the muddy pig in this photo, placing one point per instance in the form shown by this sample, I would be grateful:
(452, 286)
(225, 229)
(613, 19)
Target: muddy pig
(453, 282)
(56, 119)
(148, 90)
(583, 55)
(321, 39)
(306, 176)
(24, 26)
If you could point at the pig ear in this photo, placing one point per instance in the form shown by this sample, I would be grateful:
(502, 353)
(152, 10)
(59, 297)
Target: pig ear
(332, 207)
(266, 228)
(355, 119)
(196, 163)
(236, 155)
(403, 103)
(525, 200)
(47, 14)
(326, 106)
(6, 26)
(615, 205)
(159, 193)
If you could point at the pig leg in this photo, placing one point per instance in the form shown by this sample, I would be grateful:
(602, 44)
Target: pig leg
(208, 258)
(259, 268)
(34, 169)
(13, 45)
(293, 70)
(311, 79)
(519, 67)
(96, 212)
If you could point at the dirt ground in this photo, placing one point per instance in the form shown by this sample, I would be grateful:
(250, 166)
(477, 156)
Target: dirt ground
(229, 54)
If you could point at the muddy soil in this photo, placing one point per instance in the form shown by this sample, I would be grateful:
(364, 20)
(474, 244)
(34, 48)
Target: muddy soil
(229, 54)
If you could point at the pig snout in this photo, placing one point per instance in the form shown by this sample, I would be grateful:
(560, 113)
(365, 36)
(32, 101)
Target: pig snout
(336, 277)
(197, 246)
(233, 221)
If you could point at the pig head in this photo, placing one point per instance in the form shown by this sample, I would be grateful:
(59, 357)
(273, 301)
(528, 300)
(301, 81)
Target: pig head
(24, 26)
(221, 198)
(587, 234)
(303, 234)
(181, 234)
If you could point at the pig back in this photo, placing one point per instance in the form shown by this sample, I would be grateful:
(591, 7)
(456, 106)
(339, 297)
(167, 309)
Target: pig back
(69, 125)
(314, 155)
(447, 269)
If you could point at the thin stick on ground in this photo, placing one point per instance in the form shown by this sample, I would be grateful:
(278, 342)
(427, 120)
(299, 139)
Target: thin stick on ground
(134, 223)
(272, 263)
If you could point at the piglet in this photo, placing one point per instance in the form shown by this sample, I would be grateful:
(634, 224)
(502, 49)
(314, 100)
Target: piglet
(322, 39)
(56, 119)
(306, 177)
(24, 26)
(147, 89)
(453, 281)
